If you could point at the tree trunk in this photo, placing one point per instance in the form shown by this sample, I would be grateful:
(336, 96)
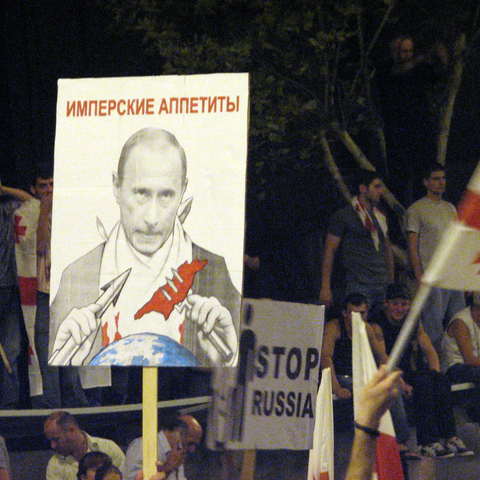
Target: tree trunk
(333, 168)
(446, 113)
(363, 161)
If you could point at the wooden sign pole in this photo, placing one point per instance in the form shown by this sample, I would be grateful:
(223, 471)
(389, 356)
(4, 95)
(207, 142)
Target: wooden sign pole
(150, 420)
(248, 466)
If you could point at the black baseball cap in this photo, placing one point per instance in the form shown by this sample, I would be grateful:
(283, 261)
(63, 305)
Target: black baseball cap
(398, 290)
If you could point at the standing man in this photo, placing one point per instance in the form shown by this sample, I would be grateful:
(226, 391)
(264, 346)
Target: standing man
(361, 232)
(404, 83)
(42, 189)
(427, 219)
(178, 438)
(175, 288)
(11, 318)
(70, 444)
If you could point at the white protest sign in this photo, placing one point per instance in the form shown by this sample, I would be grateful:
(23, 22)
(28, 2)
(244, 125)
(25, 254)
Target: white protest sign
(268, 400)
(148, 220)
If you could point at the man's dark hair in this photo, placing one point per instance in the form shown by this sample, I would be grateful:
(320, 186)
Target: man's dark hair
(431, 167)
(170, 422)
(355, 299)
(94, 460)
(63, 419)
(364, 177)
(43, 171)
(104, 470)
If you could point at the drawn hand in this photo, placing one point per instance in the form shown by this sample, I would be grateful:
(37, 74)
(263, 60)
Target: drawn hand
(76, 334)
(210, 315)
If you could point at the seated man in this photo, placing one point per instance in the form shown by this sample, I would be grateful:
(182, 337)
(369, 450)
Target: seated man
(430, 389)
(337, 354)
(70, 444)
(461, 348)
(178, 437)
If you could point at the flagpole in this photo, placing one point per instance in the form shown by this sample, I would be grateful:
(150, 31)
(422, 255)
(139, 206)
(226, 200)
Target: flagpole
(248, 465)
(150, 420)
(5, 359)
(409, 327)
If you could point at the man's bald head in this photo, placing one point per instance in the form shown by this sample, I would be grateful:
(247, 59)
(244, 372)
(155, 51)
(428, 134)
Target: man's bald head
(156, 138)
(63, 433)
(63, 419)
(191, 432)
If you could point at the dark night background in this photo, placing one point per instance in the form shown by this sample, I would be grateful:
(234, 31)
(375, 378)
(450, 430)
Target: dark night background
(42, 41)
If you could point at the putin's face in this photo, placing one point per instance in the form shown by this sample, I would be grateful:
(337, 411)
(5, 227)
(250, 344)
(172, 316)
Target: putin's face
(149, 194)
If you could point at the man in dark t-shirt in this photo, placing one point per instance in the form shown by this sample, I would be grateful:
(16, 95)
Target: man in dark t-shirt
(359, 234)
(430, 390)
(337, 354)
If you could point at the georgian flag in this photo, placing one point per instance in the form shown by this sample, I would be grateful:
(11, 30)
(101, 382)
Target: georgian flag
(388, 464)
(320, 462)
(26, 221)
(455, 264)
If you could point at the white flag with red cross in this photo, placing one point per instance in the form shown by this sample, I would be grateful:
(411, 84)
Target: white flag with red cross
(456, 262)
(320, 462)
(26, 221)
(388, 464)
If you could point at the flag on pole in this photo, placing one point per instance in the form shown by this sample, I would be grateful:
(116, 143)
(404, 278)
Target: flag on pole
(388, 465)
(26, 221)
(455, 264)
(320, 462)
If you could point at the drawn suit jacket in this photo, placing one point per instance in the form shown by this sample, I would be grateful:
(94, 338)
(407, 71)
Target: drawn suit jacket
(79, 287)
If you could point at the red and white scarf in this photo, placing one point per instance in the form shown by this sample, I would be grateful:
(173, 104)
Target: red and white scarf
(368, 222)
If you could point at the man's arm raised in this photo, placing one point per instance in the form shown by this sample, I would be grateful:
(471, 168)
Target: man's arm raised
(16, 192)
(377, 396)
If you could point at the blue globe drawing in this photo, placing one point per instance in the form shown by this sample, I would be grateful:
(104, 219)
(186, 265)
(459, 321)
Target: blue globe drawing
(146, 350)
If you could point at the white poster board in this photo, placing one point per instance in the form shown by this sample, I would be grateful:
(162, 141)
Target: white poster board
(108, 222)
(268, 400)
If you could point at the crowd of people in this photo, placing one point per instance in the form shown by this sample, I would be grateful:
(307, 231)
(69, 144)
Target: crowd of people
(32, 325)
(26, 219)
(357, 275)
(79, 456)
(445, 348)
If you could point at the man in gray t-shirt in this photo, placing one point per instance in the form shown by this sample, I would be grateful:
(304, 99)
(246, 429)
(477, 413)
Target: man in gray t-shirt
(427, 219)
